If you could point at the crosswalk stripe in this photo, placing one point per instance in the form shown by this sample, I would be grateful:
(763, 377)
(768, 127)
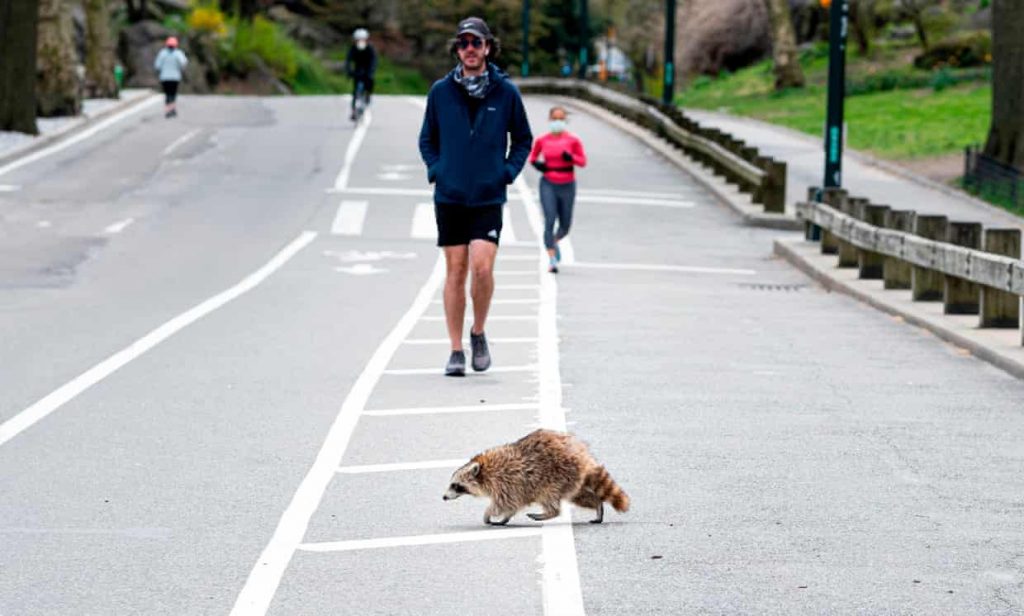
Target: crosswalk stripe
(508, 232)
(350, 218)
(423, 227)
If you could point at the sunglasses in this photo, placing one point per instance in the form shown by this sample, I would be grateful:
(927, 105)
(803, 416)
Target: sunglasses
(464, 43)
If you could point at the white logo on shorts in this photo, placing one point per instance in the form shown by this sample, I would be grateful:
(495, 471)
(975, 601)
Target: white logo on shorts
(493, 233)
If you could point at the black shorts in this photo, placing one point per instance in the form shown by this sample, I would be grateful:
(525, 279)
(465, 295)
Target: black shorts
(170, 91)
(458, 225)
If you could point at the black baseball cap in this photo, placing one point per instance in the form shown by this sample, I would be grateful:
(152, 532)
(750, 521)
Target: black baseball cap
(474, 26)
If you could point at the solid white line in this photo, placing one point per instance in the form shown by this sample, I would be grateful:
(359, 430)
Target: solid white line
(423, 225)
(353, 148)
(407, 466)
(350, 218)
(68, 391)
(437, 370)
(442, 410)
(529, 257)
(508, 232)
(654, 267)
(560, 575)
(397, 192)
(635, 201)
(493, 317)
(9, 188)
(446, 341)
(265, 577)
(180, 141)
(119, 226)
(85, 134)
(398, 542)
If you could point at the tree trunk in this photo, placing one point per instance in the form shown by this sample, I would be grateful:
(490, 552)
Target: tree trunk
(863, 14)
(17, 65)
(788, 73)
(99, 51)
(1006, 135)
(57, 87)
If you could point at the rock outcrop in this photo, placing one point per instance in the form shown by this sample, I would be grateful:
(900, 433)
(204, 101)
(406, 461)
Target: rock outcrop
(717, 35)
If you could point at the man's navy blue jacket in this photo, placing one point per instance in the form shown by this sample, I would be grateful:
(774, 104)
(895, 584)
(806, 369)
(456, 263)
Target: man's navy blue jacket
(468, 164)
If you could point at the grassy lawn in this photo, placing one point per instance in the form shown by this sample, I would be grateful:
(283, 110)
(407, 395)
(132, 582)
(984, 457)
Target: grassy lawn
(916, 122)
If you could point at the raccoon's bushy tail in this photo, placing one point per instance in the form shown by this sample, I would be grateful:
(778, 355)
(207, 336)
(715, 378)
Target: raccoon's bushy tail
(607, 490)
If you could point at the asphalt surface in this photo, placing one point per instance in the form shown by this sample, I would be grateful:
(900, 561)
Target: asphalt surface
(787, 450)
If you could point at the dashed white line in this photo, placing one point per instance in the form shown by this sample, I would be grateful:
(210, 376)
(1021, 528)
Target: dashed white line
(67, 392)
(180, 141)
(442, 410)
(394, 192)
(401, 466)
(119, 226)
(350, 218)
(341, 181)
(423, 225)
(9, 187)
(397, 542)
(634, 201)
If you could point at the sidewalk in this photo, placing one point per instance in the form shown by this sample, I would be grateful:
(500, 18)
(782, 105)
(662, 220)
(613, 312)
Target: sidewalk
(863, 176)
(15, 145)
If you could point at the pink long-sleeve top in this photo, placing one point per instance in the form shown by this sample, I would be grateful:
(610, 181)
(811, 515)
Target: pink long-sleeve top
(550, 147)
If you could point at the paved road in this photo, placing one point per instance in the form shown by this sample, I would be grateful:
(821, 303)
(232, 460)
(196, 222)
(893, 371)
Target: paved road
(220, 392)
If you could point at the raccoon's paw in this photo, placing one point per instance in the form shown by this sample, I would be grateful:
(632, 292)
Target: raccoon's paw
(501, 522)
(600, 515)
(540, 517)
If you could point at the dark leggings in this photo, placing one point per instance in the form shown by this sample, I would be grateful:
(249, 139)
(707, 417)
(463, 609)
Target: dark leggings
(170, 91)
(557, 200)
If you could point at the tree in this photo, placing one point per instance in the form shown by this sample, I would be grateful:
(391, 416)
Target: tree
(99, 50)
(57, 88)
(18, 20)
(863, 21)
(915, 10)
(788, 73)
(1006, 135)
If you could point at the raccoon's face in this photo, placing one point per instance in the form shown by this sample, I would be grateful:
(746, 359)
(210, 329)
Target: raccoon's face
(464, 481)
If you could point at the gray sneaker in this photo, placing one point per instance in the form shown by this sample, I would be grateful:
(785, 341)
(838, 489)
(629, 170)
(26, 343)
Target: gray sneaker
(456, 364)
(481, 354)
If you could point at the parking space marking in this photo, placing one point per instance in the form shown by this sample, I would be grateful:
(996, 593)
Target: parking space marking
(440, 410)
(398, 542)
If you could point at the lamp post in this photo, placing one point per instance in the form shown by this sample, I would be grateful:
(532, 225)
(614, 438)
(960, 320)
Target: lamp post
(525, 67)
(669, 81)
(839, 16)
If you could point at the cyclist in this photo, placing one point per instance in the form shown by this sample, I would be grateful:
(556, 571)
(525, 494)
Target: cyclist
(361, 65)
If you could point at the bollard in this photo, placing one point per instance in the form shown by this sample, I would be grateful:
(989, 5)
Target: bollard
(896, 272)
(849, 255)
(812, 197)
(774, 191)
(961, 296)
(999, 308)
(927, 284)
(831, 197)
(871, 264)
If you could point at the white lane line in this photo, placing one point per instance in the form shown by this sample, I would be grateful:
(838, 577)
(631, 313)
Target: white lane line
(423, 225)
(630, 193)
(654, 267)
(513, 273)
(437, 370)
(495, 302)
(508, 232)
(68, 391)
(265, 577)
(398, 542)
(635, 201)
(442, 410)
(119, 226)
(9, 188)
(180, 141)
(492, 317)
(350, 218)
(85, 134)
(446, 341)
(406, 466)
(341, 181)
(568, 251)
(559, 573)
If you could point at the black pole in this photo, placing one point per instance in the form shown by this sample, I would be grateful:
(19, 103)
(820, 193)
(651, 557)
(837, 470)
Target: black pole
(839, 14)
(525, 69)
(669, 82)
(584, 39)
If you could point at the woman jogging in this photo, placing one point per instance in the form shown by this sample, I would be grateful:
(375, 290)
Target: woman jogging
(562, 152)
(170, 63)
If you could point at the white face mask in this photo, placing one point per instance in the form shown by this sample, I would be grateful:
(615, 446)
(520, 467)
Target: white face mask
(361, 44)
(557, 126)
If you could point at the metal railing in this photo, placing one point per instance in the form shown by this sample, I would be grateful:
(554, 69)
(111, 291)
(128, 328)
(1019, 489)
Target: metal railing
(761, 176)
(971, 270)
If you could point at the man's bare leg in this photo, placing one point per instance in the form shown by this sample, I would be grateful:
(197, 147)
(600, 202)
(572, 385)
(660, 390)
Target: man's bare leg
(481, 265)
(456, 258)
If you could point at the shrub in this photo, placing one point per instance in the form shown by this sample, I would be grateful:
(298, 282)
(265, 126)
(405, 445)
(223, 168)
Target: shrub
(260, 40)
(964, 50)
(204, 19)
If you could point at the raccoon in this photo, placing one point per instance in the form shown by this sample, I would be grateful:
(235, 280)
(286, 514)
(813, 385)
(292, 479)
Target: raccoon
(543, 467)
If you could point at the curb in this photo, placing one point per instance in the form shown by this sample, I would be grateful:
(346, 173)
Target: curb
(733, 199)
(1010, 363)
(871, 161)
(81, 123)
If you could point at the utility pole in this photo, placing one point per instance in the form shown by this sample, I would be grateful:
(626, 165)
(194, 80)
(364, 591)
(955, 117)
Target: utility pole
(584, 38)
(669, 81)
(525, 68)
(839, 19)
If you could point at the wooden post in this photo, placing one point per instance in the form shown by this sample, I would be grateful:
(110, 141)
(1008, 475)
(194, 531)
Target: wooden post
(999, 308)
(927, 284)
(962, 296)
(829, 243)
(896, 272)
(775, 187)
(849, 255)
(871, 263)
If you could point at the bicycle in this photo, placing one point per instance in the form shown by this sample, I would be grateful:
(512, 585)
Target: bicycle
(361, 101)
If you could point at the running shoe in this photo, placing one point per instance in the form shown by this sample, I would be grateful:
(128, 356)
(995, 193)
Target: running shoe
(456, 364)
(558, 254)
(481, 354)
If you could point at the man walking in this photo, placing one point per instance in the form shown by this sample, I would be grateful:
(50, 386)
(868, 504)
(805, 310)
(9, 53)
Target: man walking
(471, 114)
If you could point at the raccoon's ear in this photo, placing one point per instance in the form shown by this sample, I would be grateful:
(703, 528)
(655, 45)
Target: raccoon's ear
(474, 469)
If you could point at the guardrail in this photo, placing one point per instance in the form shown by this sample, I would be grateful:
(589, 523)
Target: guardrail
(761, 176)
(969, 269)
